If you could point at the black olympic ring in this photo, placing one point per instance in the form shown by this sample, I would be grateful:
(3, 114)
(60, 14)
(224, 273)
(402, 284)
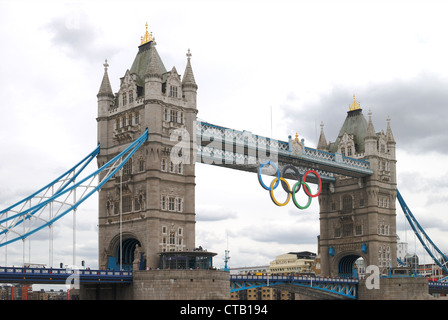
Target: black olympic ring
(285, 185)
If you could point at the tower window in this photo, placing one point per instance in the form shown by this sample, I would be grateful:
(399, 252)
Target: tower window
(347, 230)
(347, 203)
(179, 205)
(337, 232)
(141, 165)
(127, 204)
(137, 118)
(131, 96)
(349, 151)
(361, 202)
(173, 116)
(333, 206)
(127, 167)
(171, 206)
(124, 99)
(173, 91)
(136, 204)
(163, 203)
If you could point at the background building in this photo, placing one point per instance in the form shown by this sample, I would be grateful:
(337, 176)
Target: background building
(293, 262)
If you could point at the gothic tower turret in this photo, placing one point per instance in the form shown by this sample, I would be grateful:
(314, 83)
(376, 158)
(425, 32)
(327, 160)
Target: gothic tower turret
(149, 207)
(357, 215)
(105, 101)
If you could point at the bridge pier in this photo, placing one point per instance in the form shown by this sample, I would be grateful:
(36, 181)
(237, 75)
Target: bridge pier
(181, 284)
(405, 288)
(164, 285)
(105, 291)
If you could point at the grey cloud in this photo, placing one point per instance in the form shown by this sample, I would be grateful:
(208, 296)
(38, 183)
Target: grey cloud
(418, 108)
(205, 213)
(79, 37)
(299, 233)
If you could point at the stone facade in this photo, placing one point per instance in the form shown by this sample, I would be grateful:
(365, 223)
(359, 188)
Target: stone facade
(153, 201)
(405, 288)
(181, 285)
(357, 216)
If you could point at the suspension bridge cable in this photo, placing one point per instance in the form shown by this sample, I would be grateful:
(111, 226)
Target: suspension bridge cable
(436, 254)
(110, 169)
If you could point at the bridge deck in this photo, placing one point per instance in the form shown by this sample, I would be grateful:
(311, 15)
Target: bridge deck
(243, 150)
(60, 276)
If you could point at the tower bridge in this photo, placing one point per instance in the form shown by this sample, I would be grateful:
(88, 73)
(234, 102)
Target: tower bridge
(149, 140)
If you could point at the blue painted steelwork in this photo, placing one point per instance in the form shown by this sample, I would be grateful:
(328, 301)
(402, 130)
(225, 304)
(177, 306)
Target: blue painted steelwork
(424, 239)
(401, 262)
(438, 286)
(60, 276)
(63, 179)
(110, 168)
(342, 287)
(246, 142)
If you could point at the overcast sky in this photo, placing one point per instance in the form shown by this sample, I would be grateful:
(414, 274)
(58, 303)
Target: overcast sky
(302, 59)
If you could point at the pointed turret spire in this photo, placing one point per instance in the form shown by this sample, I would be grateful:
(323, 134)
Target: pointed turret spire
(389, 135)
(105, 88)
(188, 79)
(322, 144)
(153, 65)
(370, 131)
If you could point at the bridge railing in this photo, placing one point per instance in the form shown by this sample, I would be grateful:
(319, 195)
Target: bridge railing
(207, 132)
(291, 278)
(61, 274)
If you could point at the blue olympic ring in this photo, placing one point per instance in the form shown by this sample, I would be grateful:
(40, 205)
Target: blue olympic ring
(286, 187)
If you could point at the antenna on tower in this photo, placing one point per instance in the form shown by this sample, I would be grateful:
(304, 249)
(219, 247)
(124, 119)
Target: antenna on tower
(226, 256)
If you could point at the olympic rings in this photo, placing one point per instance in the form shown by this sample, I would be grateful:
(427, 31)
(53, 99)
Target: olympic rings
(271, 192)
(259, 174)
(286, 187)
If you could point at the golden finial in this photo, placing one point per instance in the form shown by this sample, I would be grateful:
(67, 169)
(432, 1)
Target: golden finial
(355, 105)
(147, 37)
(297, 137)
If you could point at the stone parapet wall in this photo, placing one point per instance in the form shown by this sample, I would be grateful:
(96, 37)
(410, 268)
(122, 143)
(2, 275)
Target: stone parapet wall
(406, 288)
(181, 285)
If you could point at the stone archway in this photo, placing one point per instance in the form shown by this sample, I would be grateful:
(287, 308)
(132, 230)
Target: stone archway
(123, 256)
(346, 266)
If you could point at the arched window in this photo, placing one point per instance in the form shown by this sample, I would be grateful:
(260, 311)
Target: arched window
(124, 98)
(347, 203)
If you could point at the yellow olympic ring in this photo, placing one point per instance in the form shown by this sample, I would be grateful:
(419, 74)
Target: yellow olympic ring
(271, 192)
(300, 180)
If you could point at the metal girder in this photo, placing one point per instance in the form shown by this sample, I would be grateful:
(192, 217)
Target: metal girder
(245, 151)
(436, 254)
(322, 288)
(63, 195)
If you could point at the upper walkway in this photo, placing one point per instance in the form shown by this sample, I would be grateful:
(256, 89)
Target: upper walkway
(245, 151)
(62, 275)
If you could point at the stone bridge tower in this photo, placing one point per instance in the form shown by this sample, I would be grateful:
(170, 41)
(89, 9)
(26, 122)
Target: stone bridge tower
(357, 216)
(150, 207)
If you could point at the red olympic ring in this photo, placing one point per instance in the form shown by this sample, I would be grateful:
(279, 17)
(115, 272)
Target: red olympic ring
(320, 183)
(286, 186)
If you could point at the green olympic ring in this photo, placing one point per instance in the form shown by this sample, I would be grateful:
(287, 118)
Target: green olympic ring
(286, 186)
